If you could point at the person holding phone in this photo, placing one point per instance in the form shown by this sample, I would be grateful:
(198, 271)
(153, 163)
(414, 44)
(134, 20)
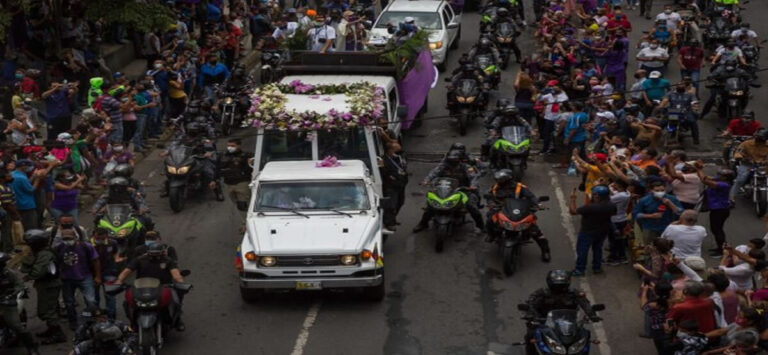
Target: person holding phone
(595, 226)
(655, 211)
(321, 36)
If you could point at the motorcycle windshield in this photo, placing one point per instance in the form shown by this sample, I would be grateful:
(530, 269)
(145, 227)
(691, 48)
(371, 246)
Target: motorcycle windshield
(514, 134)
(505, 29)
(445, 187)
(565, 323)
(517, 209)
(734, 84)
(118, 214)
(483, 61)
(467, 88)
(177, 154)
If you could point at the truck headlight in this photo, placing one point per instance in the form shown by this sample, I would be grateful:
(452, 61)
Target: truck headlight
(268, 261)
(348, 259)
(435, 45)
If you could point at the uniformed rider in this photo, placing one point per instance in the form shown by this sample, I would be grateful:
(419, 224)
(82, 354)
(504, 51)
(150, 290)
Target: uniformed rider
(10, 288)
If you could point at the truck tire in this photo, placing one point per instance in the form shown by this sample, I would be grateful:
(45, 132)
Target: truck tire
(376, 293)
(251, 295)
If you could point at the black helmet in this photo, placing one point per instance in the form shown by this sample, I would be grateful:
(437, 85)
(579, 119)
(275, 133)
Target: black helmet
(156, 250)
(459, 147)
(503, 102)
(726, 174)
(118, 181)
(106, 332)
(502, 12)
(558, 281)
(206, 104)
(192, 128)
(748, 114)
(124, 170)
(468, 68)
(453, 158)
(761, 134)
(484, 43)
(503, 176)
(239, 72)
(4, 259)
(37, 239)
(510, 110)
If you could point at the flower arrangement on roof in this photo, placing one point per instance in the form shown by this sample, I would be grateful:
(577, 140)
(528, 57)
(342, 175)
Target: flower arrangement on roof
(365, 102)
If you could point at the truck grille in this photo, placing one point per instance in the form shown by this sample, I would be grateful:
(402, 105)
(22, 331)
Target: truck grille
(308, 261)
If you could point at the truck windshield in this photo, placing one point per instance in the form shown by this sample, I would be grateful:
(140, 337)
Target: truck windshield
(286, 145)
(312, 195)
(349, 144)
(425, 20)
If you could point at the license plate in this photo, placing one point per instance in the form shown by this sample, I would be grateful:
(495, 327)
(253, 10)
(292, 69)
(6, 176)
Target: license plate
(311, 285)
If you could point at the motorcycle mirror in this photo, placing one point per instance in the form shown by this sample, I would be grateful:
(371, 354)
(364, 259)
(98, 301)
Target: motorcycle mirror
(185, 273)
(525, 308)
(402, 111)
(598, 307)
(183, 287)
(755, 85)
(543, 198)
(447, 80)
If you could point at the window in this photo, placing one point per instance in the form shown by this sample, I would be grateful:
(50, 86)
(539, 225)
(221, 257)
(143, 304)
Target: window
(312, 195)
(284, 145)
(424, 20)
(347, 144)
(446, 16)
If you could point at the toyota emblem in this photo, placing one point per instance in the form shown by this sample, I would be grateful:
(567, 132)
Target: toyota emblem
(308, 261)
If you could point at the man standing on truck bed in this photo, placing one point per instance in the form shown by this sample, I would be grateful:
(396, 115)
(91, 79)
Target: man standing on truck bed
(236, 171)
(395, 177)
(321, 35)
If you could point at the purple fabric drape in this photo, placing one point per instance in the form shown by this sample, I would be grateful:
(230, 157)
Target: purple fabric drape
(414, 88)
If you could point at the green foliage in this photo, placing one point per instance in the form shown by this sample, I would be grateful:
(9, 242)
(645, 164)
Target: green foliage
(5, 16)
(143, 17)
(299, 40)
(403, 56)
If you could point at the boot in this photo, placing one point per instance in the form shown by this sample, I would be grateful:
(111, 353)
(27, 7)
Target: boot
(544, 246)
(218, 192)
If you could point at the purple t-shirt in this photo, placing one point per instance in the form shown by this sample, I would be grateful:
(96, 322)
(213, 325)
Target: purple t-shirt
(75, 261)
(123, 157)
(588, 5)
(717, 197)
(65, 200)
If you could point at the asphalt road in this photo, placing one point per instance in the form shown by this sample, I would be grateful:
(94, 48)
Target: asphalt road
(457, 302)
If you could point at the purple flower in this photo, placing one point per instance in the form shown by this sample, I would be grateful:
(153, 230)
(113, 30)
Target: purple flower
(333, 113)
(347, 116)
(314, 97)
(327, 98)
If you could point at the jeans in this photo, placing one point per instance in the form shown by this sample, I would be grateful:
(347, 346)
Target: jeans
(29, 219)
(109, 300)
(548, 133)
(743, 172)
(585, 242)
(117, 132)
(141, 121)
(56, 213)
(155, 123)
(717, 218)
(86, 287)
(617, 242)
(695, 74)
(209, 93)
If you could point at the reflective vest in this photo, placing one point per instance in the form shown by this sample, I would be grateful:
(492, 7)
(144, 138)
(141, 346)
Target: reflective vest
(727, 2)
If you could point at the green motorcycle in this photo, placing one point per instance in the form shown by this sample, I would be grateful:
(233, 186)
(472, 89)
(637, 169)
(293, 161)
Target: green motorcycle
(511, 150)
(123, 227)
(447, 201)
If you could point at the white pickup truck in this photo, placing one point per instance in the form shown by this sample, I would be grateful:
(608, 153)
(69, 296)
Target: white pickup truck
(312, 228)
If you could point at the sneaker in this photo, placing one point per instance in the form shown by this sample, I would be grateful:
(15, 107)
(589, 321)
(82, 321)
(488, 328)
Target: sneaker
(577, 273)
(546, 257)
(386, 231)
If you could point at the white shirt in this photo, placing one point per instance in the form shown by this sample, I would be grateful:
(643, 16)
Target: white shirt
(725, 52)
(687, 239)
(620, 199)
(553, 101)
(671, 19)
(316, 34)
(737, 33)
(740, 274)
(290, 29)
(650, 53)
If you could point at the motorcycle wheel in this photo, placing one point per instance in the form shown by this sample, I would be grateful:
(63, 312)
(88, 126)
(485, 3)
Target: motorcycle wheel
(760, 208)
(265, 76)
(517, 172)
(226, 126)
(442, 233)
(462, 121)
(509, 258)
(176, 198)
(147, 343)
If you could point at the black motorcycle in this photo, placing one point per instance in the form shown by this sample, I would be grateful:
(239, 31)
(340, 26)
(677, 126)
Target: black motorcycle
(675, 127)
(717, 33)
(151, 309)
(272, 65)
(505, 39)
(9, 338)
(448, 202)
(560, 332)
(233, 107)
(468, 102)
(183, 171)
(757, 189)
(733, 98)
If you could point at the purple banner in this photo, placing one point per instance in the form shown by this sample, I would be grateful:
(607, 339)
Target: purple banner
(414, 88)
(457, 5)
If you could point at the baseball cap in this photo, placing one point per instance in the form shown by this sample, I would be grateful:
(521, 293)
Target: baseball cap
(655, 75)
(552, 83)
(409, 19)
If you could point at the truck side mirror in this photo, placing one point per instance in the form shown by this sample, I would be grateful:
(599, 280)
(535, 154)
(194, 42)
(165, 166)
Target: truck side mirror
(402, 111)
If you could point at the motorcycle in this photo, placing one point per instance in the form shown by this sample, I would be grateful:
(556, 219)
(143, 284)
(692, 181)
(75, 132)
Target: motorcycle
(505, 37)
(511, 150)
(232, 108)
(123, 226)
(717, 33)
(184, 176)
(674, 128)
(150, 307)
(9, 338)
(272, 65)
(448, 201)
(561, 332)
(486, 64)
(732, 97)
(468, 103)
(515, 219)
(758, 189)
(729, 149)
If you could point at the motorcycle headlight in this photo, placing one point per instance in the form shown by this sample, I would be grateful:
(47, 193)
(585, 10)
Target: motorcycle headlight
(171, 170)
(268, 261)
(122, 233)
(348, 259)
(737, 93)
(461, 99)
(182, 170)
(554, 345)
(577, 347)
(228, 101)
(147, 304)
(470, 99)
(435, 204)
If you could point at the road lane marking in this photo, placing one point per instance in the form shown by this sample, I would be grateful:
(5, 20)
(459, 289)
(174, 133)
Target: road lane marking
(309, 321)
(567, 221)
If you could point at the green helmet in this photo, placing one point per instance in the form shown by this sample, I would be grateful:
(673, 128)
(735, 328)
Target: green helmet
(96, 82)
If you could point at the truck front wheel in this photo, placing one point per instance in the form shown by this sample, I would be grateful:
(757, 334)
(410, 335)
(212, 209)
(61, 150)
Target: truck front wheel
(251, 295)
(375, 293)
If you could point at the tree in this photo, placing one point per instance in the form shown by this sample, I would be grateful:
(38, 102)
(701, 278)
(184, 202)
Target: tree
(143, 17)
(5, 14)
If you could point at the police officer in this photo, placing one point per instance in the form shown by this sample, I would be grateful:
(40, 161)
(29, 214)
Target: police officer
(41, 268)
(507, 187)
(485, 46)
(467, 71)
(100, 333)
(10, 287)
(236, 172)
(118, 193)
(503, 16)
(126, 171)
(394, 174)
(238, 80)
(467, 176)
(506, 114)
